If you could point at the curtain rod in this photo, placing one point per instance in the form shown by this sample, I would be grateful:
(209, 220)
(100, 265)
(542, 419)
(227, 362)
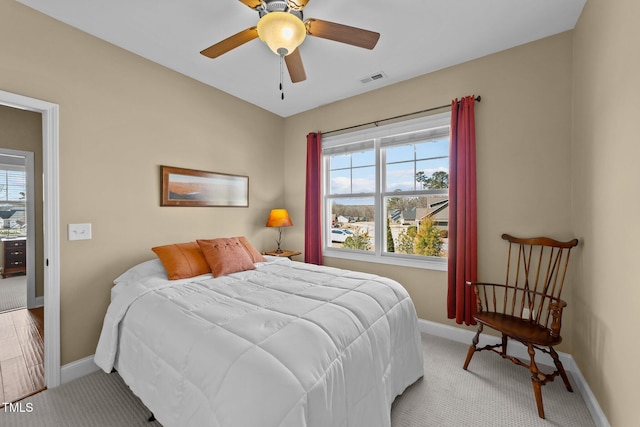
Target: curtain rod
(477, 99)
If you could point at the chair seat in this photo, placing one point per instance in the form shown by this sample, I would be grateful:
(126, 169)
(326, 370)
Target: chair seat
(520, 329)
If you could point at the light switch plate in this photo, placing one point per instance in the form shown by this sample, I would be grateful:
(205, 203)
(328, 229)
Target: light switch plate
(79, 231)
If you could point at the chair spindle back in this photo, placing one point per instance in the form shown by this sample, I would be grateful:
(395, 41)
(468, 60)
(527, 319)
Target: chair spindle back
(536, 270)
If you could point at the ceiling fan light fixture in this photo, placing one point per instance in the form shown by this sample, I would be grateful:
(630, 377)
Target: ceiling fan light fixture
(282, 32)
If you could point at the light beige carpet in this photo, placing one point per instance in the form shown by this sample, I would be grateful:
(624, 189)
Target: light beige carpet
(13, 293)
(493, 392)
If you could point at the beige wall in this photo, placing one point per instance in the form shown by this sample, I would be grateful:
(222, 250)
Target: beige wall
(606, 202)
(22, 130)
(523, 128)
(121, 117)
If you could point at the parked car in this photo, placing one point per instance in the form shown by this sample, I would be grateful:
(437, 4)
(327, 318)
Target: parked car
(340, 234)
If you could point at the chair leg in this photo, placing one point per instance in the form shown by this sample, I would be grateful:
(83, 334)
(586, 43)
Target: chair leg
(504, 344)
(560, 368)
(472, 347)
(536, 381)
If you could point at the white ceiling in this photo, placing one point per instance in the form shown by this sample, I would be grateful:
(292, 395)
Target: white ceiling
(417, 37)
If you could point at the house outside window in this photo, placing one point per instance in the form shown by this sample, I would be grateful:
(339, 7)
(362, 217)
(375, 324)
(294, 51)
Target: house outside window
(385, 193)
(13, 201)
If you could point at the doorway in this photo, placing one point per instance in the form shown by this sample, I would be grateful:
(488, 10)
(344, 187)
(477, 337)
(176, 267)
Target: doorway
(50, 226)
(21, 311)
(20, 221)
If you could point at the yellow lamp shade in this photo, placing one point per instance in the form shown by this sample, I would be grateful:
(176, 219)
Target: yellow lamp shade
(279, 218)
(282, 32)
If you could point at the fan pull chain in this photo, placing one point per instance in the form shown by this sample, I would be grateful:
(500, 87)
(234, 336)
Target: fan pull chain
(281, 74)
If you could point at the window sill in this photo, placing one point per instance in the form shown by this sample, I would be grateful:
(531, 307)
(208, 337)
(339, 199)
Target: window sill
(399, 260)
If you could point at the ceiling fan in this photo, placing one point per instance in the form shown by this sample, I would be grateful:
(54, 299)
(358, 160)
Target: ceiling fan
(282, 28)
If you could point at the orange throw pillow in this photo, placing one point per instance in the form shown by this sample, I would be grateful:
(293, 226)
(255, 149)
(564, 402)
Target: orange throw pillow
(226, 255)
(253, 252)
(182, 260)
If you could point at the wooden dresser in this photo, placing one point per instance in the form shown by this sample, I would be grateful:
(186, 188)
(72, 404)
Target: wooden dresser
(14, 254)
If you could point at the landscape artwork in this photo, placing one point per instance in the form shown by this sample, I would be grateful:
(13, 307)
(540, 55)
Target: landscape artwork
(189, 187)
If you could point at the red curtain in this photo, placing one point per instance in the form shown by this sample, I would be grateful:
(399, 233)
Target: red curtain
(313, 201)
(463, 228)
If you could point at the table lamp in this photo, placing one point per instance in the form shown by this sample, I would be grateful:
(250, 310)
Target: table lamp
(279, 218)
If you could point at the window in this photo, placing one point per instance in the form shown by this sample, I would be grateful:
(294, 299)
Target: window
(13, 200)
(385, 193)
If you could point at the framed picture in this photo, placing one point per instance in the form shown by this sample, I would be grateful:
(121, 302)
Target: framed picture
(188, 187)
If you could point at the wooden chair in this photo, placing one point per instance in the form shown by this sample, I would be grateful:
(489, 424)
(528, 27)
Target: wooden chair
(527, 308)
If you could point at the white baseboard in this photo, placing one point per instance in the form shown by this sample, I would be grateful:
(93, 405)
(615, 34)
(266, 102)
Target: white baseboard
(79, 368)
(518, 350)
(35, 302)
(596, 411)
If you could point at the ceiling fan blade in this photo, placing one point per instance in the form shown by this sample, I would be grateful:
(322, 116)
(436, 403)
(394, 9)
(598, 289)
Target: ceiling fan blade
(342, 33)
(296, 4)
(231, 43)
(251, 3)
(295, 66)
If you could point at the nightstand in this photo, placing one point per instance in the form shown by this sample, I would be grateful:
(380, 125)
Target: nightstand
(288, 254)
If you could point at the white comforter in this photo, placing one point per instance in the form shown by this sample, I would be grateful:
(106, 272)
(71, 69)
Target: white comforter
(287, 344)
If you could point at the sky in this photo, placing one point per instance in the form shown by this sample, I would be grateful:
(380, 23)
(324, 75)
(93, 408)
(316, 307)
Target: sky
(355, 172)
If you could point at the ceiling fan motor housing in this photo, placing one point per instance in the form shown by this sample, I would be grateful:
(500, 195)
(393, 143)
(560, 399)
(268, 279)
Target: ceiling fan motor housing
(277, 6)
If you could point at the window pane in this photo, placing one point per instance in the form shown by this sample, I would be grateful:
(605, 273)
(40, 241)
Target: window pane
(431, 149)
(13, 203)
(417, 225)
(351, 224)
(400, 176)
(16, 184)
(363, 158)
(340, 181)
(400, 153)
(340, 161)
(433, 174)
(364, 180)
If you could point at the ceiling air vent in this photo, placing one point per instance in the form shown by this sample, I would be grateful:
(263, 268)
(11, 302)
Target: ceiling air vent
(373, 77)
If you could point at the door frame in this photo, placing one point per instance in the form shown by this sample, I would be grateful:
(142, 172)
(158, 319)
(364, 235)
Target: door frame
(51, 226)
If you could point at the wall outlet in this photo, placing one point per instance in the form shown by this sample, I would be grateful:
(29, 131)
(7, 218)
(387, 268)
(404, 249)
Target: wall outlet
(79, 231)
(525, 313)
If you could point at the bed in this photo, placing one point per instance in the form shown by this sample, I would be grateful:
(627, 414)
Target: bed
(284, 344)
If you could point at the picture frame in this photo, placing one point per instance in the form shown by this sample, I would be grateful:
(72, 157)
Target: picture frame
(190, 187)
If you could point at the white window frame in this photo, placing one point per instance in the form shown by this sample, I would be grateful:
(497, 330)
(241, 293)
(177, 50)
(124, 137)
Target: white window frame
(377, 134)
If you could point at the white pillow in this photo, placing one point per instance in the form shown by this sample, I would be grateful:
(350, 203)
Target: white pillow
(145, 269)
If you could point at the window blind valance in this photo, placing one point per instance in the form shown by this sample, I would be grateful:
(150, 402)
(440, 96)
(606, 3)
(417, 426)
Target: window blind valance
(429, 127)
(417, 136)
